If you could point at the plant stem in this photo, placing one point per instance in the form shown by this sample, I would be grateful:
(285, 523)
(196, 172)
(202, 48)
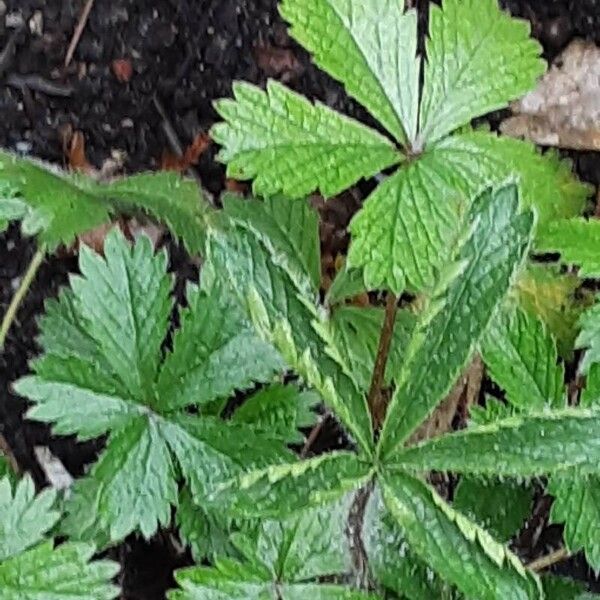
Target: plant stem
(21, 292)
(539, 564)
(385, 341)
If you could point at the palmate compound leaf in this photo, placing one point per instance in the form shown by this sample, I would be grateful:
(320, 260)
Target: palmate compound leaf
(459, 550)
(478, 59)
(280, 560)
(100, 373)
(522, 359)
(371, 47)
(577, 240)
(31, 568)
(291, 146)
(283, 308)
(407, 225)
(449, 330)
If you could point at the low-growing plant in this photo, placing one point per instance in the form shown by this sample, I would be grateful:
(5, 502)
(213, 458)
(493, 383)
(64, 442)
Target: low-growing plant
(204, 421)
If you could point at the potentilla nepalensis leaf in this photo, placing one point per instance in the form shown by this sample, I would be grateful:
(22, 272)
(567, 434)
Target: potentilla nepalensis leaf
(457, 548)
(371, 47)
(444, 341)
(290, 146)
(31, 567)
(102, 372)
(577, 241)
(522, 359)
(469, 40)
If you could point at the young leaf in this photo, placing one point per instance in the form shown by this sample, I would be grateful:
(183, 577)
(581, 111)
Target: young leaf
(577, 241)
(542, 291)
(54, 206)
(493, 411)
(536, 444)
(284, 312)
(170, 199)
(356, 332)
(522, 359)
(291, 146)
(501, 507)
(280, 410)
(347, 284)
(371, 47)
(291, 226)
(444, 342)
(98, 376)
(30, 566)
(469, 40)
(279, 490)
(458, 549)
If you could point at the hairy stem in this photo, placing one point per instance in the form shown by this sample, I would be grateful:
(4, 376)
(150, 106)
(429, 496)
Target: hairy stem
(375, 399)
(21, 292)
(539, 564)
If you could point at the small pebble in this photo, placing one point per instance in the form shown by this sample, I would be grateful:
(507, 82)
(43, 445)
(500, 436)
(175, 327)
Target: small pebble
(36, 23)
(14, 20)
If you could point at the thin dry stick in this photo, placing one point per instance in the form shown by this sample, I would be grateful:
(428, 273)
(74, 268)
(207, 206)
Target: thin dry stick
(539, 564)
(177, 147)
(312, 436)
(21, 292)
(385, 342)
(83, 19)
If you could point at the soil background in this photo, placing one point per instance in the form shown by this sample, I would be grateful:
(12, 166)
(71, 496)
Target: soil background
(185, 53)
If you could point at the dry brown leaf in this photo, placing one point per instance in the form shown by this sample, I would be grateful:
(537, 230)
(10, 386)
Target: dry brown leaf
(278, 62)
(564, 110)
(122, 69)
(191, 156)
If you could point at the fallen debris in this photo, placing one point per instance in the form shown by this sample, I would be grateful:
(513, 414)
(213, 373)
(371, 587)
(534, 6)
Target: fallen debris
(564, 110)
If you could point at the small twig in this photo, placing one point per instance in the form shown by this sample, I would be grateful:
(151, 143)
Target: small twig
(177, 146)
(83, 19)
(5, 450)
(39, 84)
(385, 342)
(539, 564)
(312, 436)
(21, 292)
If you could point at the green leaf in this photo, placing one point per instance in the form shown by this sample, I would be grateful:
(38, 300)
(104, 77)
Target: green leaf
(577, 241)
(522, 359)
(560, 588)
(280, 558)
(279, 490)
(279, 410)
(285, 313)
(478, 159)
(205, 531)
(54, 206)
(347, 284)
(98, 376)
(544, 292)
(469, 40)
(30, 567)
(24, 517)
(291, 226)
(536, 444)
(449, 330)
(170, 199)
(6, 470)
(500, 507)
(288, 145)
(391, 561)
(493, 411)
(577, 505)
(591, 394)
(458, 549)
(61, 573)
(371, 47)
(215, 352)
(356, 332)
(589, 337)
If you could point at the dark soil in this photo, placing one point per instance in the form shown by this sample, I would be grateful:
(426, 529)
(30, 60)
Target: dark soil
(186, 53)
